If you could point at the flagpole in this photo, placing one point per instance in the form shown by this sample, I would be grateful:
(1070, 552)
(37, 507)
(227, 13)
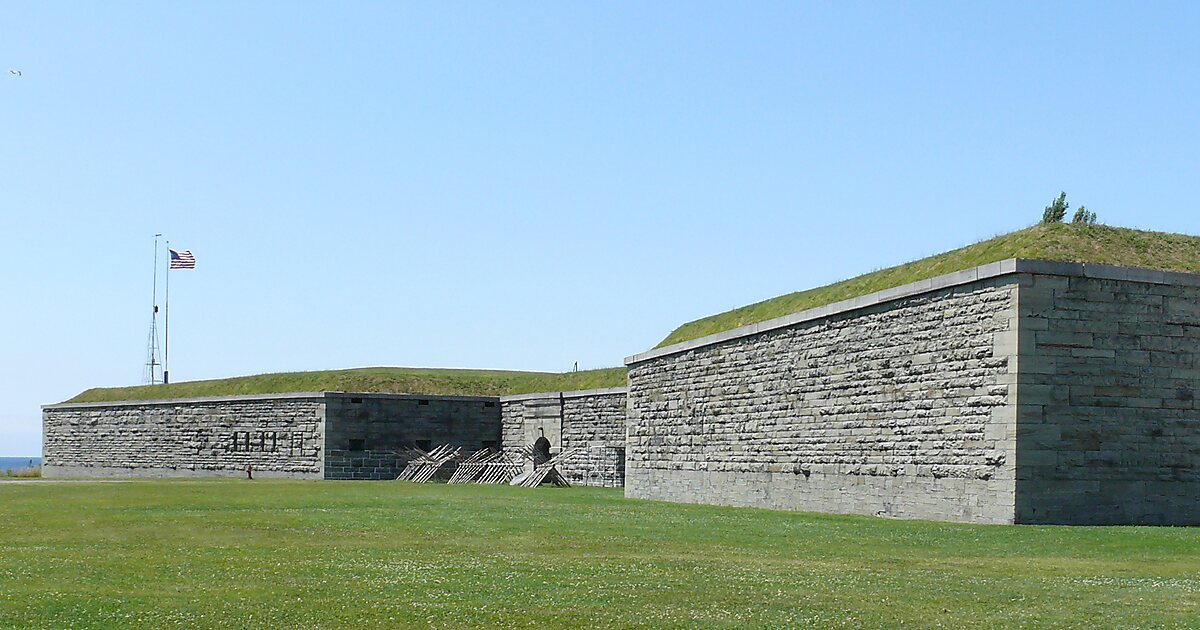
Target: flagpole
(167, 324)
(154, 312)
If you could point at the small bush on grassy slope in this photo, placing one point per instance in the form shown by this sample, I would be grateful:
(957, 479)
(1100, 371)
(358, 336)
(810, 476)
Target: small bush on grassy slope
(1057, 210)
(1083, 216)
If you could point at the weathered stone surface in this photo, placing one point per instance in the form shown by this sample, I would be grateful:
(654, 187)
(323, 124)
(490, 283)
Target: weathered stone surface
(592, 420)
(1030, 392)
(281, 437)
(895, 409)
(367, 435)
(327, 435)
(1108, 429)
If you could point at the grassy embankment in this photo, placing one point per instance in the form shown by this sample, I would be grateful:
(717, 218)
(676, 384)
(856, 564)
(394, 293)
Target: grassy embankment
(262, 554)
(375, 379)
(1061, 242)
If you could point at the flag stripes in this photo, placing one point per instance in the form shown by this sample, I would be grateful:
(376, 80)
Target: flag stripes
(182, 260)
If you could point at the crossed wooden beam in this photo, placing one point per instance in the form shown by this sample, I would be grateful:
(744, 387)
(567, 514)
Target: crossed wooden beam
(547, 472)
(423, 466)
(486, 466)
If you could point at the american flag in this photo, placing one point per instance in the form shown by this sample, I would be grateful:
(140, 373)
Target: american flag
(182, 260)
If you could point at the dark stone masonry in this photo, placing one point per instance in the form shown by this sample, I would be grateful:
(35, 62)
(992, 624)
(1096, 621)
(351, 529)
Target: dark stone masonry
(1021, 391)
(367, 435)
(1108, 425)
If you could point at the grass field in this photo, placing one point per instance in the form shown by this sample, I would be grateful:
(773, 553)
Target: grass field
(256, 554)
(375, 379)
(1061, 242)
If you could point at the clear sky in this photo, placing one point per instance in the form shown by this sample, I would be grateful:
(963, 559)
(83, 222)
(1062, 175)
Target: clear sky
(526, 185)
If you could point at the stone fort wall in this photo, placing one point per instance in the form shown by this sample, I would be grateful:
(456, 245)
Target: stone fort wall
(592, 420)
(1108, 425)
(281, 436)
(329, 435)
(1021, 391)
(896, 408)
(367, 435)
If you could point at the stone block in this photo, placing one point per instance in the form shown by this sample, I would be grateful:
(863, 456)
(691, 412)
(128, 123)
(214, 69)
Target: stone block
(1061, 338)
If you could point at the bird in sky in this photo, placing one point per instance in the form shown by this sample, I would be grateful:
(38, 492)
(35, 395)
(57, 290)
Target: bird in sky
(15, 72)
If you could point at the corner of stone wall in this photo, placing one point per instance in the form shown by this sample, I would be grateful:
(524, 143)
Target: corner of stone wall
(45, 438)
(322, 420)
(1033, 434)
(1002, 428)
(1106, 415)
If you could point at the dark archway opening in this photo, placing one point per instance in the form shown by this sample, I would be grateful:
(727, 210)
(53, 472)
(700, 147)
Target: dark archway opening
(541, 449)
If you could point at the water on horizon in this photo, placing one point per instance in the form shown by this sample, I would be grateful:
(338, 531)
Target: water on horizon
(18, 463)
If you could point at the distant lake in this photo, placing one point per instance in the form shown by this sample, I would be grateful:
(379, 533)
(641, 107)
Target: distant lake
(18, 463)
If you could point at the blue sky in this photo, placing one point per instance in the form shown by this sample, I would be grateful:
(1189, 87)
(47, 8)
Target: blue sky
(526, 185)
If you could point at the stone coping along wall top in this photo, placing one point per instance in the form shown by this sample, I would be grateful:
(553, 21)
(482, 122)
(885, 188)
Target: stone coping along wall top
(253, 397)
(982, 272)
(578, 393)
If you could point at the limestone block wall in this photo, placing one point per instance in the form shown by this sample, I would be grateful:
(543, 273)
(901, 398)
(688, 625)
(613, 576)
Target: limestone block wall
(596, 423)
(898, 404)
(1108, 420)
(526, 417)
(367, 434)
(592, 420)
(280, 436)
(328, 435)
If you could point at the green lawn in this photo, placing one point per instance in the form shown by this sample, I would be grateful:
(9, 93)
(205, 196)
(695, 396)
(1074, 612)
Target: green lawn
(375, 379)
(1062, 242)
(255, 554)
